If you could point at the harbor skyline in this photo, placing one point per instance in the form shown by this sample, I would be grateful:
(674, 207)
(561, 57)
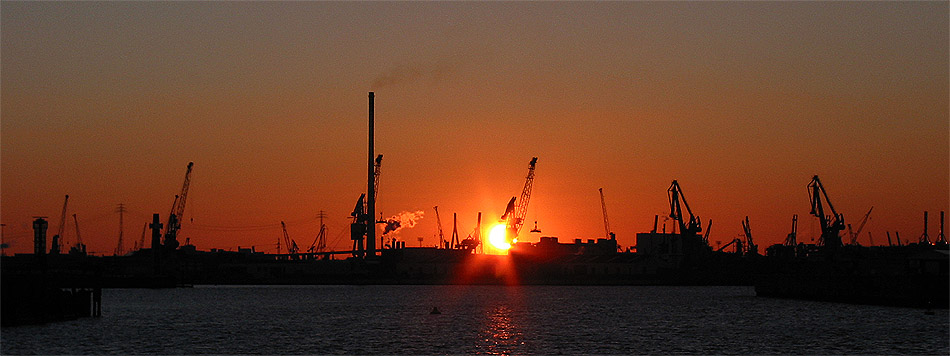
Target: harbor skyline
(741, 103)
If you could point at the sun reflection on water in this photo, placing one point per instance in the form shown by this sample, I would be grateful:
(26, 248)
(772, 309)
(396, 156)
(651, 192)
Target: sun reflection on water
(502, 333)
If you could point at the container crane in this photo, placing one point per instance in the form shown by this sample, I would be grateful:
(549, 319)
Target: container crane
(514, 214)
(854, 235)
(57, 242)
(177, 212)
(603, 205)
(691, 227)
(830, 225)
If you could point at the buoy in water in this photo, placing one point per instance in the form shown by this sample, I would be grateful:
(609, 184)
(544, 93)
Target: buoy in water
(435, 310)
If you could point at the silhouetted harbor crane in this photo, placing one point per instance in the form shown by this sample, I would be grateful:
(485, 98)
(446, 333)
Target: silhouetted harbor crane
(178, 210)
(830, 225)
(691, 227)
(515, 213)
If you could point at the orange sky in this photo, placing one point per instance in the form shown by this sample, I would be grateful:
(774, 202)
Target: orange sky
(740, 102)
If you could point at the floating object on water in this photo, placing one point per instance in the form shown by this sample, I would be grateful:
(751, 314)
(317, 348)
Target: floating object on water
(435, 310)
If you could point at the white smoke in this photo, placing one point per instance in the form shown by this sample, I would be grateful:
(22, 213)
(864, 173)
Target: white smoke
(402, 220)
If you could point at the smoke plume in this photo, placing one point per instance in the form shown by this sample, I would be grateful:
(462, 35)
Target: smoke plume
(402, 220)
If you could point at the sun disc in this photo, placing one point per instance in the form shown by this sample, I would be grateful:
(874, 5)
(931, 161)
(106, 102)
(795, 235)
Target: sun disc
(497, 237)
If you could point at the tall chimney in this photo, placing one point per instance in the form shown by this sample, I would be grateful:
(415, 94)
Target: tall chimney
(370, 188)
(39, 236)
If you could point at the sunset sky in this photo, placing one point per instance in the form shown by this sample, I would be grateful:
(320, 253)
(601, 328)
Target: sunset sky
(741, 102)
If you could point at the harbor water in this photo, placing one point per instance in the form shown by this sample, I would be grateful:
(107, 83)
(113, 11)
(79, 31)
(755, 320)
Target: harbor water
(479, 319)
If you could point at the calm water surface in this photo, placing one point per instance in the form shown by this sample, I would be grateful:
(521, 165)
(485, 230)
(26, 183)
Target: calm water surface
(479, 319)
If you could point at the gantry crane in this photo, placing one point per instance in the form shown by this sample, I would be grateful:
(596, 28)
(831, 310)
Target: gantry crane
(514, 214)
(603, 205)
(856, 233)
(55, 247)
(177, 212)
(690, 227)
(830, 225)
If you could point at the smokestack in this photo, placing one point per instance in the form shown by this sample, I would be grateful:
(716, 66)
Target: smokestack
(370, 187)
(39, 236)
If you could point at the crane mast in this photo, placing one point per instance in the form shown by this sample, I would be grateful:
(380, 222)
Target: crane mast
(693, 225)
(830, 225)
(178, 210)
(515, 213)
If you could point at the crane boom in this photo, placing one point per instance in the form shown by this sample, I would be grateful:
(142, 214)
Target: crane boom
(864, 220)
(830, 225)
(603, 206)
(178, 210)
(518, 208)
(78, 238)
(376, 168)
